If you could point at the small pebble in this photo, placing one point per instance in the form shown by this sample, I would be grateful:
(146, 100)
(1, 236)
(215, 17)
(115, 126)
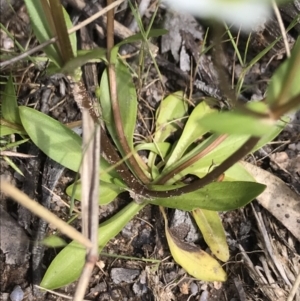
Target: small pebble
(119, 275)
(194, 288)
(17, 294)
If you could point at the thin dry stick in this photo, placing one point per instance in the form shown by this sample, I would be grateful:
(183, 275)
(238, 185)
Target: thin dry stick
(282, 28)
(90, 196)
(294, 288)
(53, 40)
(43, 213)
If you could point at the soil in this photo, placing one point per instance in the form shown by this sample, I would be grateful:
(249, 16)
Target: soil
(122, 273)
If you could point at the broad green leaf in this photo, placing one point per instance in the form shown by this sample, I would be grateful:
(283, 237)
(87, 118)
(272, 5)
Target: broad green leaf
(286, 78)
(56, 140)
(83, 57)
(9, 105)
(127, 101)
(41, 28)
(237, 123)
(194, 260)
(217, 196)
(213, 232)
(192, 131)
(54, 241)
(107, 192)
(67, 265)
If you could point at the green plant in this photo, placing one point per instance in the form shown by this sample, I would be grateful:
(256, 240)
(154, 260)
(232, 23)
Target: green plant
(209, 148)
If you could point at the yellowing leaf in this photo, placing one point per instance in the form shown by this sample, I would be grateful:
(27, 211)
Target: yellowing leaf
(195, 261)
(213, 232)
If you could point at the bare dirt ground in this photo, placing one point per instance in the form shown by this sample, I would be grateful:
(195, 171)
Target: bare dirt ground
(264, 246)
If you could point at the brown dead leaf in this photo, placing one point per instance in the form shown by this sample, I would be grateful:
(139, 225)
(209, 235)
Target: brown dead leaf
(278, 199)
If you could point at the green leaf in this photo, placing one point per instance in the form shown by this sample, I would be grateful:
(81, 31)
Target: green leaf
(237, 123)
(83, 57)
(107, 193)
(56, 140)
(7, 128)
(160, 148)
(13, 165)
(171, 112)
(213, 232)
(9, 105)
(276, 130)
(54, 241)
(192, 131)
(215, 157)
(41, 28)
(286, 78)
(67, 265)
(237, 172)
(127, 101)
(72, 36)
(217, 196)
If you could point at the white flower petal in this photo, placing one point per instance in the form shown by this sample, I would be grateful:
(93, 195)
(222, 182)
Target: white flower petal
(246, 13)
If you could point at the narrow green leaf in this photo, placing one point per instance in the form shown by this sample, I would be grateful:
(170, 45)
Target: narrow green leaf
(56, 140)
(13, 165)
(213, 232)
(59, 18)
(42, 29)
(192, 131)
(67, 265)
(72, 36)
(286, 79)
(9, 105)
(217, 196)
